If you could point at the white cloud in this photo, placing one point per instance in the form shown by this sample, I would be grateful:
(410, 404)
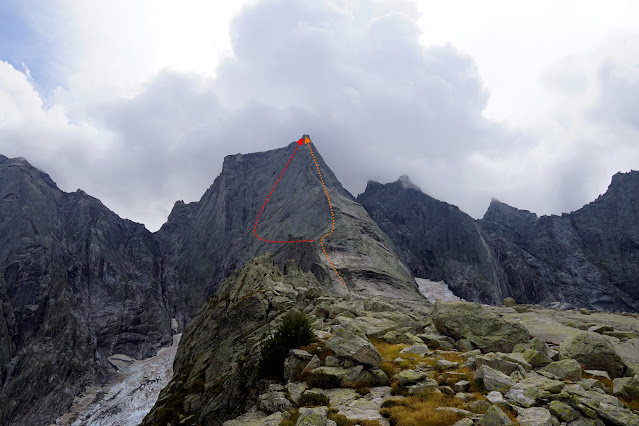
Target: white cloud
(145, 117)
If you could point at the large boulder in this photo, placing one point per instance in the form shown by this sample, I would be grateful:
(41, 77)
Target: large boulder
(274, 401)
(506, 363)
(566, 369)
(352, 343)
(523, 396)
(627, 387)
(485, 330)
(535, 416)
(562, 411)
(409, 377)
(494, 380)
(594, 352)
(331, 377)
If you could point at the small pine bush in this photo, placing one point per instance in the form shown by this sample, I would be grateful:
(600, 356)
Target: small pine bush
(295, 330)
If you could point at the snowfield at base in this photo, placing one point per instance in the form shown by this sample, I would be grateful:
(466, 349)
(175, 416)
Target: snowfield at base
(435, 290)
(130, 395)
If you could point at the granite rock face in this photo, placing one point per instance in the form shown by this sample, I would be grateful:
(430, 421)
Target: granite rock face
(436, 240)
(588, 258)
(204, 242)
(77, 284)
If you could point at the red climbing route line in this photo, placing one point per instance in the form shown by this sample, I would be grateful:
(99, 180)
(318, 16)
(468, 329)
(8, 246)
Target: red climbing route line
(305, 140)
(299, 143)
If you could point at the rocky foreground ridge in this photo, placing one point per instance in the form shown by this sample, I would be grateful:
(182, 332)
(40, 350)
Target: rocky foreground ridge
(381, 361)
(587, 258)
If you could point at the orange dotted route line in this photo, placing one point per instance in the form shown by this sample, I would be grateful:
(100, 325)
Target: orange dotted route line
(332, 215)
(306, 141)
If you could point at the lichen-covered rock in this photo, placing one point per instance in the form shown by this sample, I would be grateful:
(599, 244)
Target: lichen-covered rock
(422, 386)
(496, 398)
(295, 390)
(274, 401)
(563, 412)
(535, 416)
(409, 377)
(485, 330)
(315, 416)
(436, 341)
(333, 376)
(442, 364)
(494, 416)
(464, 422)
(506, 363)
(464, 345)
(616, 414)
(543, 383)
(536, 358)
(296, 361)
(494, 380)
(462, 386)
(595, 352)
(480, 406)
(371, 378)
(416, 349)
(256, 418)
(523, 396)
(627, 387)
(566, 369)
(353, 344)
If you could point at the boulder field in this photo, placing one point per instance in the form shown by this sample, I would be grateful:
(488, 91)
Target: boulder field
(383, 361)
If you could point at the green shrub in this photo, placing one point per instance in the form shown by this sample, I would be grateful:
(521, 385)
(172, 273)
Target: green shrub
(322, 380)
(397, 389)
(363, 390)
(295, 330)
(311, 399)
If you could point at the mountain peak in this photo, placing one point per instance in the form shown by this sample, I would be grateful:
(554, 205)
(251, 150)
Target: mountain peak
(504, 213)
(407, 184)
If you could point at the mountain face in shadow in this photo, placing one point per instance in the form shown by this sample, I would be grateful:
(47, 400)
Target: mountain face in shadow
(77, 284)
(587, 258)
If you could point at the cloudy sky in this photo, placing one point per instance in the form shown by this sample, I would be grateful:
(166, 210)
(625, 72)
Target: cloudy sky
(137, 102)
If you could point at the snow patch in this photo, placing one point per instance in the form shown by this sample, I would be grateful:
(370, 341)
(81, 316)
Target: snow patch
(129, 396)
(435, 290)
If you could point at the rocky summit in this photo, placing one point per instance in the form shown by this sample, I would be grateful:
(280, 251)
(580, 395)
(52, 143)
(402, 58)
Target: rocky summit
(85, 295)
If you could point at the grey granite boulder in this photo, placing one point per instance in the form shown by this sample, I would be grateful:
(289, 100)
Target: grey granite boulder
(494, 380)
(485, 330)
(535, 416)
(593, 351)
(354, 345)
(627, 387)
(563, 412)
(566, 369)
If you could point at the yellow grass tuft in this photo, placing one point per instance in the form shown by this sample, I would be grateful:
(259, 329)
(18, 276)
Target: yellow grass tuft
(421, 410)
